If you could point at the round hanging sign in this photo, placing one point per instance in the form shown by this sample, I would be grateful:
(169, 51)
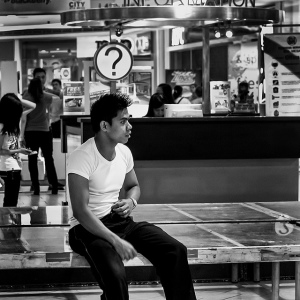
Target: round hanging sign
(113, 61)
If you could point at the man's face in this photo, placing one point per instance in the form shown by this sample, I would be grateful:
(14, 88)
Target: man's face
(41, 76)
(56, 86)
(120, 129)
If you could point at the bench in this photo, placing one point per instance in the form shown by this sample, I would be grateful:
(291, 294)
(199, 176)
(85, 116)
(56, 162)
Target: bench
(226, 233)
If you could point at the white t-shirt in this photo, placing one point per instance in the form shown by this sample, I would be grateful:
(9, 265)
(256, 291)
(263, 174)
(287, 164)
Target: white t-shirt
(105, 177)
(9, 162)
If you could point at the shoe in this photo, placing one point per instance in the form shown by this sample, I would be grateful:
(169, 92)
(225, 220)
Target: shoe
(36, 191)
(60, 187)
(54, 190)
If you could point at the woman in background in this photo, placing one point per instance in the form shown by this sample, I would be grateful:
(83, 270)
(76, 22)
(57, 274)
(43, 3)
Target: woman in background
(177, 95)
(11, 110)
(198, 99)
(156, 106)
(166, 91)
(38, 135)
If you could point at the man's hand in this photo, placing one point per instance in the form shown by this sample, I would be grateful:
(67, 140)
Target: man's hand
(125, 249)
(123, 207)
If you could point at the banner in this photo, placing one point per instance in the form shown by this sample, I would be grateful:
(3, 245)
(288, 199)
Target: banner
(243, 66)
(183, 78)
(282, 69)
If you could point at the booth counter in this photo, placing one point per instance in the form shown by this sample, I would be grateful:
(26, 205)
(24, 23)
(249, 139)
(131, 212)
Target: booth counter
(210, 159)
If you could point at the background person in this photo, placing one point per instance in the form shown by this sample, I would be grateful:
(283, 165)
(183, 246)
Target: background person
(177, 95)
(56, 108)
(193, 88)
(156, 106)
(165, 90)
(102, 229)
(198, 99)
(11, 110)
(38, 135)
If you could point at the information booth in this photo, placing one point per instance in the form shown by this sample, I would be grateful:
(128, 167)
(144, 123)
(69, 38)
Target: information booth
(210, 159)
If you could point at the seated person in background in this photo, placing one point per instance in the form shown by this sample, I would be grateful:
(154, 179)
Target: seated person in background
(56, 108)
(194, 96)
(166, 91)
(198, 99)
(102, 229)
(177, 95)
(243, 93)
(156, 106)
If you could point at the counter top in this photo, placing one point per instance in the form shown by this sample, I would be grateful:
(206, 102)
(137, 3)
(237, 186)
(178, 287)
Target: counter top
(215, 137)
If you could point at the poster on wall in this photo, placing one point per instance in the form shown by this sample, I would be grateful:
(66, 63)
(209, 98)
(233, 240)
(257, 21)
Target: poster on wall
(220, 96)
(183, 78)
(73, 97)
(243, 66)
(282, 69)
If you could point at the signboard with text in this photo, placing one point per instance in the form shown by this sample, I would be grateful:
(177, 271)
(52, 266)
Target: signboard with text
(282, 69)
(73, 97)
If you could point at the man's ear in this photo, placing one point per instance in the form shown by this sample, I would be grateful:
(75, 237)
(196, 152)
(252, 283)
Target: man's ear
(103, 125)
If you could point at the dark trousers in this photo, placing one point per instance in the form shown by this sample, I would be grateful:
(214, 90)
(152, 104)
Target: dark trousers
(55, 126)
(167, 254)
(35, 140)
(12, 180)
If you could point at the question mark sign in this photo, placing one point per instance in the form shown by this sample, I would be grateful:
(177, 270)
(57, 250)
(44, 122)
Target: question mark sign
(117, 60)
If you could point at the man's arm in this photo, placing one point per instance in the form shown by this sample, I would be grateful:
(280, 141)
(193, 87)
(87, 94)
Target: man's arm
(79, 195)
(132, 191)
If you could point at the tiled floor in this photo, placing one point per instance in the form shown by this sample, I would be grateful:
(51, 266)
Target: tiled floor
(222, 291)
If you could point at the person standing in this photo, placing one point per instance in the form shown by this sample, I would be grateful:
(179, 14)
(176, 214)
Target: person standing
(102, 229)
(56, 108)
(38, 135)
(11, 110)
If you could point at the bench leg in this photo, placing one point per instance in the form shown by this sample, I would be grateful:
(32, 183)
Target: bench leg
(297, 280)
(256, 272)
(275, 280)
(234, 273)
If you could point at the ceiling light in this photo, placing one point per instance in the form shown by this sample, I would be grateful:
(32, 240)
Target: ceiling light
(217, 34)
(229, 33)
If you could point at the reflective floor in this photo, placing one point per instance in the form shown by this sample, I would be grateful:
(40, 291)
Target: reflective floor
(204, 291)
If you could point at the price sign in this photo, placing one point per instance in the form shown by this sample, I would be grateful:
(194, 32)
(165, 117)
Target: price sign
(113, 61)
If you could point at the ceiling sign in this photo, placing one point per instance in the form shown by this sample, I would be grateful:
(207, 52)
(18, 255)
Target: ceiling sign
(124, 3)
(21, 7)
(113, 61)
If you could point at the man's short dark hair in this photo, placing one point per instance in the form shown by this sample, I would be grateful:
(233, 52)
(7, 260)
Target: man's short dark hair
(107, 107)
(38, 70)
(56, 80)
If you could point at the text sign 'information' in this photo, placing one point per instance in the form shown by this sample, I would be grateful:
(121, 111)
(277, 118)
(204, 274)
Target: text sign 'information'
(113, 61)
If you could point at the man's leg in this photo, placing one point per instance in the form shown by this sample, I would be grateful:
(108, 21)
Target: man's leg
(47, 150)
(105, 262)
(168, 255)
(32, 142)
